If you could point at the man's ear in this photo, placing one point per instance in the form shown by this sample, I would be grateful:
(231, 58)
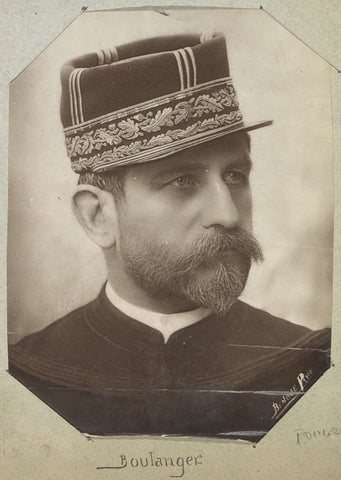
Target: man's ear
(96, 212)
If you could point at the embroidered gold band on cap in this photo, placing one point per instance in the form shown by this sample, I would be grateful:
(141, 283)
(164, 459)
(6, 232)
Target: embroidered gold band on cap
(154, 129)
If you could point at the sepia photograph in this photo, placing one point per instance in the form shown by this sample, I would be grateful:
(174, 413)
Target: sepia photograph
(170, 229)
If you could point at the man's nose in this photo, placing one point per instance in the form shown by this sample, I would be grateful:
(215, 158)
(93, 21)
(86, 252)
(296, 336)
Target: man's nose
(219, 208)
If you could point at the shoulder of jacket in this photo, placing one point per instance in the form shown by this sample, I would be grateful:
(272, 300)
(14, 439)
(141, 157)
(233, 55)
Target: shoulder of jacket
(272, 330)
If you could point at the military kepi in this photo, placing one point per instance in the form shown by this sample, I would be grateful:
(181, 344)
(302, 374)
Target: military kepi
(146, 100)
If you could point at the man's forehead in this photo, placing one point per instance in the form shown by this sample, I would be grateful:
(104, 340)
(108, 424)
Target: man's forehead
(229, 150)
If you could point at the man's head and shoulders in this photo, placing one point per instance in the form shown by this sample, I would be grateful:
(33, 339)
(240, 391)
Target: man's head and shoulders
(164, 191)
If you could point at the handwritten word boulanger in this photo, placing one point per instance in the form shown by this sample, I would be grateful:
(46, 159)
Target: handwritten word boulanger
(151, 460)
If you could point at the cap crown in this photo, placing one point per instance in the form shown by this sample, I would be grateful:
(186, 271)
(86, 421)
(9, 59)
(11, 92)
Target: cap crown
(146, 100)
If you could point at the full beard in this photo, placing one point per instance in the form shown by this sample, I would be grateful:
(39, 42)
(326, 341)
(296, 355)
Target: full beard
(211, 272)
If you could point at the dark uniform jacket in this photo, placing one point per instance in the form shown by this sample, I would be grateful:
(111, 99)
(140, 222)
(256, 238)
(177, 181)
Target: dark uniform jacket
(233, 376)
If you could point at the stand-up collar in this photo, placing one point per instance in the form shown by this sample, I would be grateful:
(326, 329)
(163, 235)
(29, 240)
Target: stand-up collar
(167, 324)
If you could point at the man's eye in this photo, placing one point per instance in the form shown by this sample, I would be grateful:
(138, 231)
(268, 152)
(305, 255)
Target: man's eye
(235, 178)
(183, 181)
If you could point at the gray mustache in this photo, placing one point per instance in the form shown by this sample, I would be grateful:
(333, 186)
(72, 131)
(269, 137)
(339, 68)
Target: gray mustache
(217, 242)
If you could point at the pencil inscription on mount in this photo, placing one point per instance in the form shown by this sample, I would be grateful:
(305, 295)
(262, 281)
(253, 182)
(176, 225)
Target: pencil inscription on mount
(178, 465)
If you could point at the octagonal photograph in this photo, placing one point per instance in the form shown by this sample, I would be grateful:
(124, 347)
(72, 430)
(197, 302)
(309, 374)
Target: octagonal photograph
(171, 223)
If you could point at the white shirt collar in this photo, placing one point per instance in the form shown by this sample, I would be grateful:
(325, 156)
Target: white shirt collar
(167, 324)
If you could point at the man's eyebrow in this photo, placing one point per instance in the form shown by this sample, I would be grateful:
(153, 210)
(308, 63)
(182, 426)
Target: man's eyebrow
(183, 167)
(244, 162)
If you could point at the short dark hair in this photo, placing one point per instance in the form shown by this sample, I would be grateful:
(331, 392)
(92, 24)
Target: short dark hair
(113, 181)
